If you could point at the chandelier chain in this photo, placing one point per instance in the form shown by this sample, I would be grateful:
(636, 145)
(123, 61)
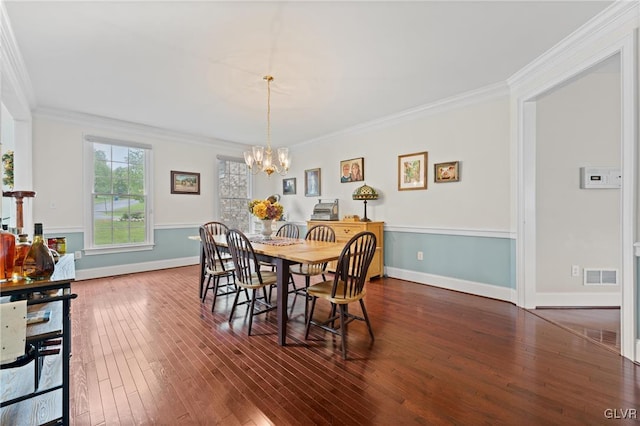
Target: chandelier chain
(269, 80)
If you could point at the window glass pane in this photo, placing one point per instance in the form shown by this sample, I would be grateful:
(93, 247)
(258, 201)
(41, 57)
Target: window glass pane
(119, 199)
(233, 194)
(137, 232)
(119, 154)
(121, 180)
(136, 157)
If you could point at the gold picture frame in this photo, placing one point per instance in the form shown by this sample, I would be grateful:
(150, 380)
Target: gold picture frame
(447, 172)
(185, 183)
(412, 171)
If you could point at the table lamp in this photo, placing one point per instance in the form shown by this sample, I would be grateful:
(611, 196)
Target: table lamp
(365, 192)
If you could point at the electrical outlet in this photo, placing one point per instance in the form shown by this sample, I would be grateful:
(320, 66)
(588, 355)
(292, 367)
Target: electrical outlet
(575, 270)
(420, 256)
(77, 255)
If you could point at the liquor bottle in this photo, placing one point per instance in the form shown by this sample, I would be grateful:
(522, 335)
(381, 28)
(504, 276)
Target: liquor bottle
(22, 248)
(39, 263)
(7, 253)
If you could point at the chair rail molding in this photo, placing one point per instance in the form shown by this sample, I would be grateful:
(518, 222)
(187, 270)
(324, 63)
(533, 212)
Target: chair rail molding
(487, 233)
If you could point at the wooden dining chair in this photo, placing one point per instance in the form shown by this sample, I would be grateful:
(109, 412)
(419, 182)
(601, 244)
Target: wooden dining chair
(288, 230)
(215, 228)
(248, 275)
(315, 233)
(217, 266)
(346, 287)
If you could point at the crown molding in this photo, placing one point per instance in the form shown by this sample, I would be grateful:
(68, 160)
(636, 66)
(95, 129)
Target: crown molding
(472, 97)
(116, 125)
(13, 66)
(606, 22)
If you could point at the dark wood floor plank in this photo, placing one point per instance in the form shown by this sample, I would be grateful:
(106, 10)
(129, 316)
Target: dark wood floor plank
(147, 351)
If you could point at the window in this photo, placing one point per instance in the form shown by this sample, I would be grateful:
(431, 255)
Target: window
(234, 192)
(118, 209)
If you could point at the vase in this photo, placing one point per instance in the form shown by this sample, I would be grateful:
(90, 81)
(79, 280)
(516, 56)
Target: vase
(267, 228)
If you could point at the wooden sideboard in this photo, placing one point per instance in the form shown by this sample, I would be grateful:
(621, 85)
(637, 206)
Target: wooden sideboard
(345, 230)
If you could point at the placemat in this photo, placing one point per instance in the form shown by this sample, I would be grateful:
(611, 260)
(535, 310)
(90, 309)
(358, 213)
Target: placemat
(275, 241)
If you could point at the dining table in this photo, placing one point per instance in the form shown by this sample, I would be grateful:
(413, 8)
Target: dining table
(282, 253)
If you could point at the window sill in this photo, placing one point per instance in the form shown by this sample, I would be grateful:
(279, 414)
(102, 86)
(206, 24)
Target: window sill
(117, 249)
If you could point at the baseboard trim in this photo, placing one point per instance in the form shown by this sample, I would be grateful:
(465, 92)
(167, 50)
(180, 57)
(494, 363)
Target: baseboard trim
(88, 274)
(578, 299)
(472, 287)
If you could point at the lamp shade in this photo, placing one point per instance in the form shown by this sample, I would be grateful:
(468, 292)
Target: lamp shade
(365, 192)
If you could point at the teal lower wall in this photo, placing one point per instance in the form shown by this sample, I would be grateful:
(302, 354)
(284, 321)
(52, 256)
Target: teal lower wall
(169, 244)
(477, 259)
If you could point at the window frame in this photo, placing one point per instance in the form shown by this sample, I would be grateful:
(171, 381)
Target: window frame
(90, 248)
(240, 161)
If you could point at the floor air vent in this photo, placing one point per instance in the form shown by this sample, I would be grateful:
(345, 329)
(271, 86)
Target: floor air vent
(600, 276)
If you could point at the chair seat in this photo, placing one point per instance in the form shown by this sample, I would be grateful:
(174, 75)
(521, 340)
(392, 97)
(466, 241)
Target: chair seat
(228, 270)
(324, 289)
(266, 264)
(268, 278)
(308, 269)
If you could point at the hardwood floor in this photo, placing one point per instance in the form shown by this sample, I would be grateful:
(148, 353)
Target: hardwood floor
(602, 325)
(146, 351)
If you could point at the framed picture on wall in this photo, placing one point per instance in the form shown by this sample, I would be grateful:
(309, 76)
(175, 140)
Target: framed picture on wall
(352, 170)
(312, 183)
(289, 186)
(447, 172)
(185, 183)
(412, 171)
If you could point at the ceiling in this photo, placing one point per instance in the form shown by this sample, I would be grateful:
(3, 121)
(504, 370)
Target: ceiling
(197, 67)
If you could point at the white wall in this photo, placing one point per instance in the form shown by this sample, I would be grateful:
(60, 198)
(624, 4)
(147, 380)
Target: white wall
(477, 135)
(578, 125)
(58, 171)
(7, 136)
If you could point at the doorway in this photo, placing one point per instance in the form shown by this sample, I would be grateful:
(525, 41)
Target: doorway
(528, 169)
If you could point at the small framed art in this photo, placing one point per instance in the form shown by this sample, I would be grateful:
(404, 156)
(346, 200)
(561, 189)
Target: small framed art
(412, 171)
(352, 170)
(289, 186)
(447, 172)
(185, 183)
(312, 183)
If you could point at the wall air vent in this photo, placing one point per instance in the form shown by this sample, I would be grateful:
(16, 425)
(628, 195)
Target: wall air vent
(600, 276)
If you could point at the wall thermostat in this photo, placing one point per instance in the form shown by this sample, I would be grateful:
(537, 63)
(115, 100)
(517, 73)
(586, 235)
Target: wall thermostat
(600, 177)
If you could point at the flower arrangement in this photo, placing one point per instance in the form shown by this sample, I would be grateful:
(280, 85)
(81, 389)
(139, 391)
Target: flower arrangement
(265, 209)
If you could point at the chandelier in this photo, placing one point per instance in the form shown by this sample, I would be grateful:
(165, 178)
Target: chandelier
(261, 159)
